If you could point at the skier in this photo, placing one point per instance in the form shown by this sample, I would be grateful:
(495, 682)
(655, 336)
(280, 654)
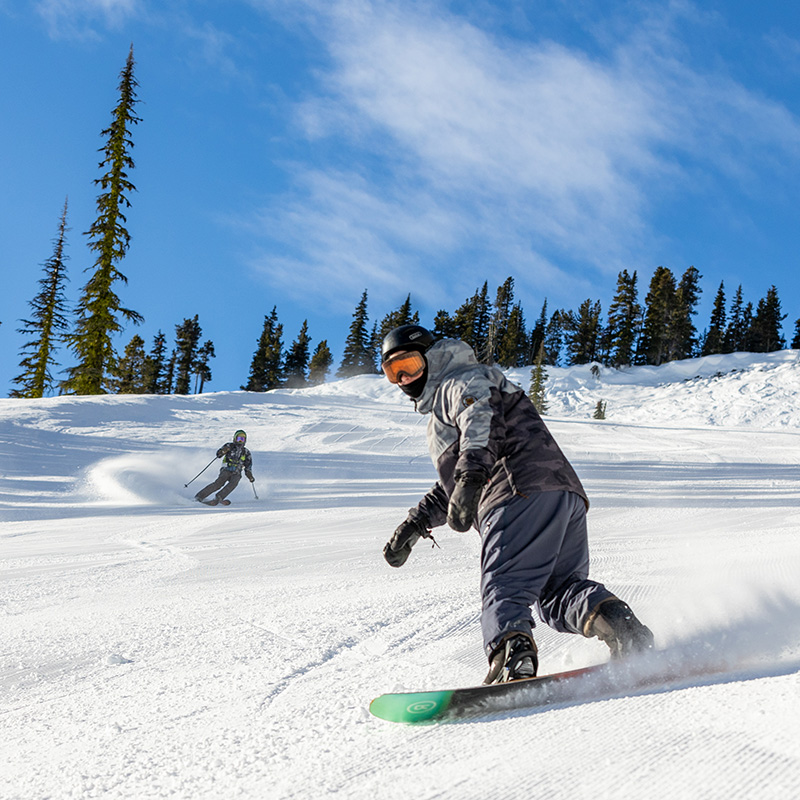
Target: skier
(235, 458)
(501, 471)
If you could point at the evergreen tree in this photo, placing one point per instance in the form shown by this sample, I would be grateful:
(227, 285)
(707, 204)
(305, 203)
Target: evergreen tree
(660, 309)
(200, 366)
(736, 332)
(600, 410)
(554, 338)
(156, 368)
(48, 322)
(682, 332)
(715, 338)
(512, 349)
(99, 309)
(796, 339)
(471, 322)
(187, 341)
(169, 375)
(537, 335)
(358, 357)
(583, 333)
(765, 329)
(265, 368)
(624, 321)
(295, 366)
(444, 326)
(130, 375)
(498, 321)
(538, 380)
(320, 363)
(400, 316)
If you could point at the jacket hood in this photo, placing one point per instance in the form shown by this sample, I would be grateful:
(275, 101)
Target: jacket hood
(444, 358)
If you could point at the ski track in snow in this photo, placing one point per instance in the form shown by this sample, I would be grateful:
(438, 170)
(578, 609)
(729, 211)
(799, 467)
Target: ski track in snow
(152, 647)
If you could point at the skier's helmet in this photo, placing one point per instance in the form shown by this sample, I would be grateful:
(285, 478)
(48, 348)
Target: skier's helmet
(403, 354)
(240, 437)
(406, 337)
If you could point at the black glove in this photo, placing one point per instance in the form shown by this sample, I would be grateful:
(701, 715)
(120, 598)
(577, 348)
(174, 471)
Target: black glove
(464, 501)
(249, 476)
(398, 548)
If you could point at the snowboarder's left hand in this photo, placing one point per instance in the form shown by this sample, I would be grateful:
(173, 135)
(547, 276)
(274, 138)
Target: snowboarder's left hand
(464, 501)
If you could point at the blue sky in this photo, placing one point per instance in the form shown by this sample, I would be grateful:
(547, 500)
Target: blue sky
(293, 153)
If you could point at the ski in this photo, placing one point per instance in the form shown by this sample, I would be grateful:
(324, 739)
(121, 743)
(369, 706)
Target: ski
(589, 683)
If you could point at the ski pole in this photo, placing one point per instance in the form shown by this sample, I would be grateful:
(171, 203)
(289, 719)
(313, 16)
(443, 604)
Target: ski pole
(201, 471)
(253, 484)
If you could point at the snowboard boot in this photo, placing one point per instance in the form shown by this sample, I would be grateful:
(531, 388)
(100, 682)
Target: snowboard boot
(514, 659)
(613, 622)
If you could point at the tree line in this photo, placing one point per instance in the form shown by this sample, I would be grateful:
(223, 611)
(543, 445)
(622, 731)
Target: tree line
(657, 330)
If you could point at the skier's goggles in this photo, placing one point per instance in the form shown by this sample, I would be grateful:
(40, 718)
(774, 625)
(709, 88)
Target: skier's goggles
(241, 438)
(409, 364)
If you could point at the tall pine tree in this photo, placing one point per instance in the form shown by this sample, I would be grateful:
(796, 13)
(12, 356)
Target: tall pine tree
(583, 333)
(320, 363)
(655, 344)
(512, 349)
(624, 321)
(266, 367)
(131, 370)
(404, 315)
(735, 339)
(498, 321)
(444, 326)
(471, 322)
(765, 330)
(715, 338)
(358, 357)
(295, 366)
(201, 367)
(48, 323)
(156, 367)
(682, 332)
(187, 341)
(99, 308)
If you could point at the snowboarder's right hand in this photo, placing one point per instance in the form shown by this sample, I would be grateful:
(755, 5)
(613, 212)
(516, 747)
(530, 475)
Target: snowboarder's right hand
(398, 548)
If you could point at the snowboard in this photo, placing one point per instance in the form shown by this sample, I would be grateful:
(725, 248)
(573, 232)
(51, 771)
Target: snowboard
(600, 681)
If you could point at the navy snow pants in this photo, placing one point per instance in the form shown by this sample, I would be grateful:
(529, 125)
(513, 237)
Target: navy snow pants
(535, 553)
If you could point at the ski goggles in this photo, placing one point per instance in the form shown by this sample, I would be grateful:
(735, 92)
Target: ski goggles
(411, 364)
(241, 438)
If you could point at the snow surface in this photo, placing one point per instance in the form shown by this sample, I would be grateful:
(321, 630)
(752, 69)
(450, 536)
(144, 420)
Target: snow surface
(151, 647)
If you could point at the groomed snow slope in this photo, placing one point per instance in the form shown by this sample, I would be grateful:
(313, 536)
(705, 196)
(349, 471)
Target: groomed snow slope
(154, 648)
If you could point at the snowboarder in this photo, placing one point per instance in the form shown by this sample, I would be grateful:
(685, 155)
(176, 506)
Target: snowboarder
(235, 458)
(501, 471)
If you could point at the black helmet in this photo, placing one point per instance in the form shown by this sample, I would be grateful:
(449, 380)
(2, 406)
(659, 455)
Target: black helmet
(238, 434)
(406, 337)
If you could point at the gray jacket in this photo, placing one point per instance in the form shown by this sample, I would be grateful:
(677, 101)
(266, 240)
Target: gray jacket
(480, 421)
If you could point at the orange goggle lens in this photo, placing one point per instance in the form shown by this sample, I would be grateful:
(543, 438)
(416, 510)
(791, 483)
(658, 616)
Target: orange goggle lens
(408, 364)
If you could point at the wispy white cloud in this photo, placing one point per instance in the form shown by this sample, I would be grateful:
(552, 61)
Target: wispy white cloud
(79, 19)
(528, 155)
